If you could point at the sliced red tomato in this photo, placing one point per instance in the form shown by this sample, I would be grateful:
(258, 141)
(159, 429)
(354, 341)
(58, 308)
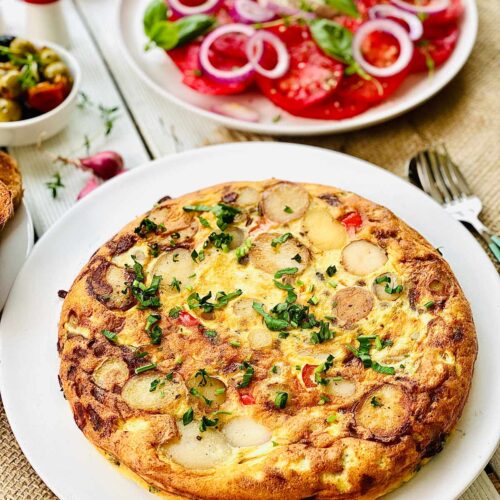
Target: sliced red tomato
(46, 96)
(380, 49)
(186, 319)
(352, 219)
(311, 78)
(438, 50)
(448, 16)
(226, 54)
(372, 91)
(247, 399)
(308, 375)
(334, 108)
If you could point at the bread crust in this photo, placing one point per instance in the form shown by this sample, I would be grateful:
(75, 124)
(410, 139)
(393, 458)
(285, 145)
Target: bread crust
(11, 177)
(365, 439)
(6, 205)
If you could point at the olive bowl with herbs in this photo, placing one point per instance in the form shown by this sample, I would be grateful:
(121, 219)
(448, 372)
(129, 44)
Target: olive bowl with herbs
(39, 83)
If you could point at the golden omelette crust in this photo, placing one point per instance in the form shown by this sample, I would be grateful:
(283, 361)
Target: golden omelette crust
(355, 437)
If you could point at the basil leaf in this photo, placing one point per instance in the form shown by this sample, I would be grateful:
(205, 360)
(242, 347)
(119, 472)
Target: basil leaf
(345, 6)
(163, 34)
(156, 11)
(333, 39)
(191, 27)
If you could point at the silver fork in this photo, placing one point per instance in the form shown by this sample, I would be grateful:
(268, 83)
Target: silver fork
(434, 171)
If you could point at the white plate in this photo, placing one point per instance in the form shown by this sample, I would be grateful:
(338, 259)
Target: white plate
(162, 75)
(41, 418)
(16, 242)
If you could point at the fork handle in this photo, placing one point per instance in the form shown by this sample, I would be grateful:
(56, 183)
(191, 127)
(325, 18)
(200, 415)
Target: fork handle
(490, 239)
(494, 245)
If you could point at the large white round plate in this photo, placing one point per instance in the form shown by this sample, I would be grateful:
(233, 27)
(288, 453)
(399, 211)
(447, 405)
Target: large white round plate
(16, 241)
(160, 73)
(40, 417)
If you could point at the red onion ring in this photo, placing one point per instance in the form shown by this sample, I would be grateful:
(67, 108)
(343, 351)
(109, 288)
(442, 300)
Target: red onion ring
(206, 7)
(249, 11)
(386, 10)
(255, 48)
(284, 10)
(237, 111)
(227, 76)
(394, 29)
(434, 7)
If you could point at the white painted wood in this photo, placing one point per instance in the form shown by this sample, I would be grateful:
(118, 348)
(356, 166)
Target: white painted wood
(166, 127)
(36, 166)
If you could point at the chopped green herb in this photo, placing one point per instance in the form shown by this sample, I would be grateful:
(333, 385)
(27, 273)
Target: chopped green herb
(331, 270)
(145, 368)
(174, 312)
(154, 249)
(188, 416)
(286, 270)
(234, 343)
(221, 300)
(247, 376)
(219, 391)
(147, 295)
(210, 333)
(147, 226)
(195, 392)
(313, 301)
(206, 422)
(55, 184)
(323, 399)
(331, 419)
(382, 279)
(273, 324)
(110, 335)
(224, 214)
(274, 369)
(429, 305)
(153, 329)
(363, 353)
(279, 240)
(175, 284)
(321, 369)
(291, 295)
(283, 335)
(297, 258)
(281, 399)
(244, 249)
(288, 210)
(323, 334)
(219, 240)
(375, 401)
(202, 374)
(204, 222)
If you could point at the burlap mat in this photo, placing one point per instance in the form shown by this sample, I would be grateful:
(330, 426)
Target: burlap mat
(465, 115)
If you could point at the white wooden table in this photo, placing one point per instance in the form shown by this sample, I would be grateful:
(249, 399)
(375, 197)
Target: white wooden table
(148, 127)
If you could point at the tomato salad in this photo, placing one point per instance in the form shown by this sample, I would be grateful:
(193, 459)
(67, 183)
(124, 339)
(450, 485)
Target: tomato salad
(322, 59)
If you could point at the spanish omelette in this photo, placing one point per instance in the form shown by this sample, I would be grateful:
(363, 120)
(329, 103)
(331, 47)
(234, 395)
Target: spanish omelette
(267, 340)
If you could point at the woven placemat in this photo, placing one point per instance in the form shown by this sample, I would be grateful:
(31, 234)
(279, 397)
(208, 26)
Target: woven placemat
(463, 115)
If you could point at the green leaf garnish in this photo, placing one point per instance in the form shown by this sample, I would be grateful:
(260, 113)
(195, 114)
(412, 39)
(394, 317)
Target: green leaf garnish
(112, 336)
(247, 376)
(145, 368)
(286, 270)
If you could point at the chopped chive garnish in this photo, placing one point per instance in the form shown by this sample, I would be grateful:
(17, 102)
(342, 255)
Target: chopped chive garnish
(288, 210)
(279, 240)
(286, 270)
(145, 368)
(429, 304)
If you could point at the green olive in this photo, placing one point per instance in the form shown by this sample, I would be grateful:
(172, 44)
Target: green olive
(10, 111)
(54, 70)
(10, 84)
(20, 46)
(48, 56)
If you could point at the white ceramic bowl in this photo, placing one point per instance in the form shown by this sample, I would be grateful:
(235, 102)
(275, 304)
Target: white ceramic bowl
(32, 130)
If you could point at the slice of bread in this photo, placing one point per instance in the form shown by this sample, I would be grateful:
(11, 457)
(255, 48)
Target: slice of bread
(11, 177)
(6, 205)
